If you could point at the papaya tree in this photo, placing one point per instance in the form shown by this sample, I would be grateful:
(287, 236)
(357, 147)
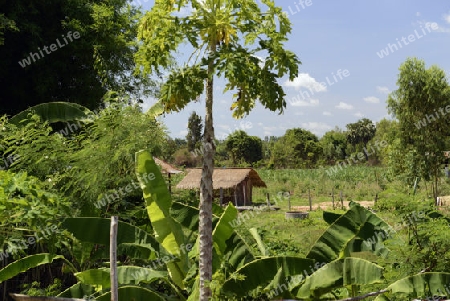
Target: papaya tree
(227, 37)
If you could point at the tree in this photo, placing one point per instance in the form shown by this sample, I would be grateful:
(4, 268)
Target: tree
(227, 36)
(244, 148)
(334, 143)
(420, 104)
(297, 148)
(194, 135)
(360, 133)
(77, 52)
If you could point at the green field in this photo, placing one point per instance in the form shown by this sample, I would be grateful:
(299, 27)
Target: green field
(358, 183)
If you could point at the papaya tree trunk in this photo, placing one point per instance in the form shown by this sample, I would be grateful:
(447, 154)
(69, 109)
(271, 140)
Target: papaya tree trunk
(206, 190)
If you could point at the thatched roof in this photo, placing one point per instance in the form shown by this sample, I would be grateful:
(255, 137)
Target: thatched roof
(222, 178)
(166, 167)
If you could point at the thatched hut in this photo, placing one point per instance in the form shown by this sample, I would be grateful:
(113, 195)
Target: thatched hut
(229, 184)
(168, 169)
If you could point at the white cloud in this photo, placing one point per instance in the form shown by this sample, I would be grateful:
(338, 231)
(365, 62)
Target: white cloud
(383, 90)
(305, 103)
(262, 61)
(183, 133)
(447, 17)
(418, 14)
(299, 114)
(344, 106)
(318, 128)
(359, 114)
(326, 113)
(371, 99)
(304, 80)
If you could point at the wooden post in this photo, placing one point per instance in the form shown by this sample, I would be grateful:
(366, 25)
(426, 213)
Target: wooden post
(289, 202)
(376, 198)
(268, 199)
(244, 187)
(309, 198)
(113, 258)
(170, 186)
(332, 196)
(342, 199)
(221, 196)
(235, 196)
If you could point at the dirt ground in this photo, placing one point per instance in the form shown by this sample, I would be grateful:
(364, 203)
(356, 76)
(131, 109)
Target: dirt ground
(329, 205)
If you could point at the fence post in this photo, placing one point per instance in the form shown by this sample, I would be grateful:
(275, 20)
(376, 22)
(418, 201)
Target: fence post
(221, 196)
(289, 202)
(309, 198)
(342, 199)
(332, 196)
(268, 199)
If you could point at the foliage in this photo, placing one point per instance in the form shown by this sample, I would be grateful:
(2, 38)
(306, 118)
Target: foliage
(79, 71)
(334, 144)
(30, 214)
(298, 148)
(360, 133)
(194, 135)
(52, 112)
(34, 289)
(244, 148)
(237, 64)
(418, 104)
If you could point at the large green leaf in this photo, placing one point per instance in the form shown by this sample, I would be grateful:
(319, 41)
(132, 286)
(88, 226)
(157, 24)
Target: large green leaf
(26, 263)
(339, 273)
(96, 230)
(125, 275)
(78, 290)
(223, 229)
(259, 241)
(425, 285)
(53, 112)
(356, 222)
(133, 293)
(238, 253)
(158, 201)
(261, 272)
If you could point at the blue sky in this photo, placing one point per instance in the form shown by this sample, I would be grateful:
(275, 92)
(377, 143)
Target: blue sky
(345, 75)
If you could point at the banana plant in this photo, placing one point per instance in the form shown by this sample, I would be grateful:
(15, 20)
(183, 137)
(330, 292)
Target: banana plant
(53, 112)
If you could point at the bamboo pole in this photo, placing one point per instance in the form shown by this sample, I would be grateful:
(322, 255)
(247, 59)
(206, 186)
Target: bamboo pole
(113, 258)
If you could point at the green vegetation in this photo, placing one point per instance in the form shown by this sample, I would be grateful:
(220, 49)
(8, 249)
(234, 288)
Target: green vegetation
(374, 230)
